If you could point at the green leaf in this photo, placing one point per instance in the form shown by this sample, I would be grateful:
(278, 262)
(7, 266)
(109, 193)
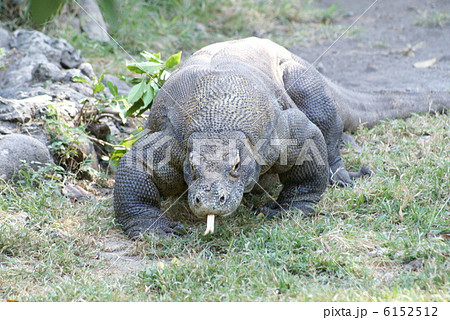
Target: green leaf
(132, 67)
(112, 88)
(149, 67)
(125, 145)
(164, 75)
(98, 87)
(79, 79)
(136, 92)
(101, 77)
(131, 80)
(148, 96)
(142, 110)
(152, 57)
(155, 88)
(116, 155)
(173, 60)
(135, 107)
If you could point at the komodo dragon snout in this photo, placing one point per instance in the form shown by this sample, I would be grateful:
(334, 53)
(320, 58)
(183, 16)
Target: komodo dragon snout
(218, 169)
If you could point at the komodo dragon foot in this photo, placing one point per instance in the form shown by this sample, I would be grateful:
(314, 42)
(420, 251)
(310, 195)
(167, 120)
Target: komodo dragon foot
(341, 177)
(135, 228)
(273, 208)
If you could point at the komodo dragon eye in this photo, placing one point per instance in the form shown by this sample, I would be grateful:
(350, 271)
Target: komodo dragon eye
(193, 167)
(236, 166)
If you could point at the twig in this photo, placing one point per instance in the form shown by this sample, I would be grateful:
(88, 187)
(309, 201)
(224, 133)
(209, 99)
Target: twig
(103, 143)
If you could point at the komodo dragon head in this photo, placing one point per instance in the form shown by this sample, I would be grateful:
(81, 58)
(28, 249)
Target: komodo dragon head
(218, 169)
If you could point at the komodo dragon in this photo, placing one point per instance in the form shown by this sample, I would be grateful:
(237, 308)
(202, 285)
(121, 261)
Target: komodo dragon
(236, 111)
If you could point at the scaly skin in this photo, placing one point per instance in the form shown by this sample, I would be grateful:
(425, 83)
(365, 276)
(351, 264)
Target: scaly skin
(237, 111)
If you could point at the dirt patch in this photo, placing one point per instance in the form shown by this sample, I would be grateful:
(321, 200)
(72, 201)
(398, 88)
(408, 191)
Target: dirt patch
(392, 37)
(118, 255)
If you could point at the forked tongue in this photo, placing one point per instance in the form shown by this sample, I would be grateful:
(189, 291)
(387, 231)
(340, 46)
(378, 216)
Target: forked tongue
(209, 224)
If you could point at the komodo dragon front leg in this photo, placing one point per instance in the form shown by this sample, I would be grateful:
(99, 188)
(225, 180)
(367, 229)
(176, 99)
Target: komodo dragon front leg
(151, 169)
(302, 166)
(308, 90)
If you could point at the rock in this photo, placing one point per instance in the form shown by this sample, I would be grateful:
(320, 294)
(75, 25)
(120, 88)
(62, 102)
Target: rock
(76, 193)
(414, 265)
(34, 43)
(47, 71)
(4, 38)
(36, 57)
(122, 87)
(99, 130)
(370, 68)
(68, 77)
(87, 70)
(21, 111)
(86, 152)
(93, 24)
(320, 67)
(19, 218)
(38, 73)
(71, 59)
(15, 148)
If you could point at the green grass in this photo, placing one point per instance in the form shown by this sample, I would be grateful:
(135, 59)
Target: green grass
(434, 18)
(357, 248)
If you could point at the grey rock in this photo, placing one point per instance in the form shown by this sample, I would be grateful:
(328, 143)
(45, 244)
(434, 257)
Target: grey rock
(93, 24)
(68, 77)
(87, 70)
(370, 68)
(414, 265)
(35, 42)
(47, 71)
(15, 148)
(4, 38)
(71, 59)
(39, 72)
(320, 67)
(21, 111)
(15, 78)
(7, 127)
(34, 52)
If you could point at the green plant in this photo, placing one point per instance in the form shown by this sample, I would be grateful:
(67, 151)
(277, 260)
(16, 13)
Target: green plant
(153, 73)
(101, 105)
(66, 141)
(48, 174)
(435, 18)
(328, 15)
(2, 54)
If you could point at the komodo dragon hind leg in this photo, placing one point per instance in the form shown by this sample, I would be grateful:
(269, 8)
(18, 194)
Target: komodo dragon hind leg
(307, 88)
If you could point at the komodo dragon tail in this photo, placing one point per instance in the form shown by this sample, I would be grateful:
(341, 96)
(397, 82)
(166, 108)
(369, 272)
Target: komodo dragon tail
(368, 109)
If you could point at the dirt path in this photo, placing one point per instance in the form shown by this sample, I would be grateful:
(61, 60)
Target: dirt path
(379, 56)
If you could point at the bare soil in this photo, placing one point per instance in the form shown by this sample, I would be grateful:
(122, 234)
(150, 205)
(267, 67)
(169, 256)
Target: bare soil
(392, 37)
